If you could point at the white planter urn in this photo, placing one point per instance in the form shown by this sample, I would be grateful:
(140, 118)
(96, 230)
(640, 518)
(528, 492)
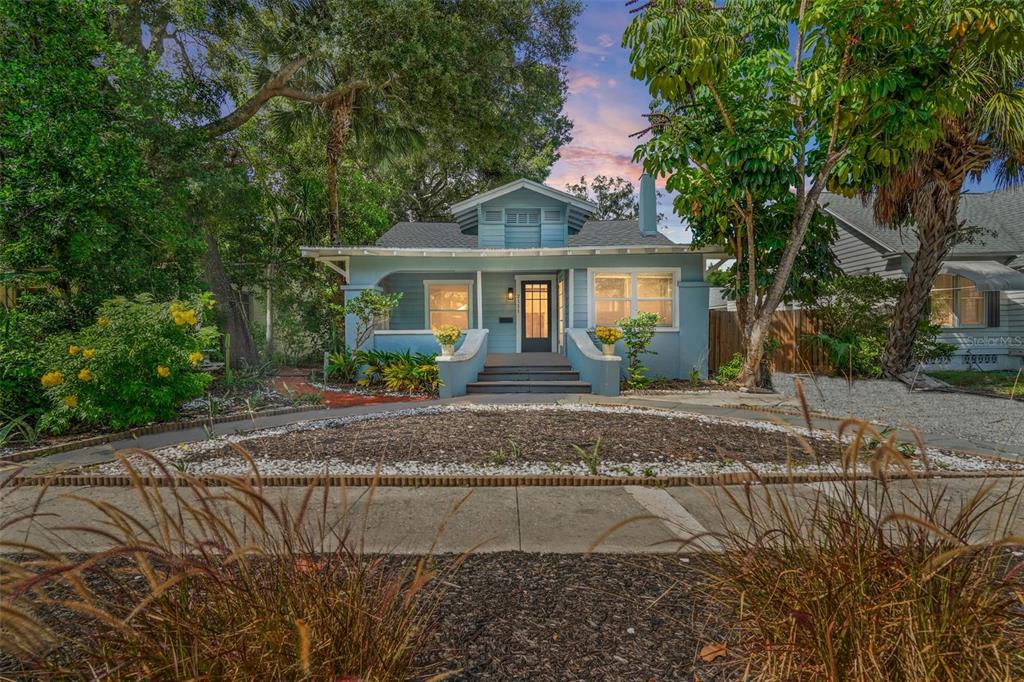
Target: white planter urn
(608, 348)
(447, 349)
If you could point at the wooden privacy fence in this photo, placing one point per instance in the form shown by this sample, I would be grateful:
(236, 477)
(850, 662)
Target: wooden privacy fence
(789, 327)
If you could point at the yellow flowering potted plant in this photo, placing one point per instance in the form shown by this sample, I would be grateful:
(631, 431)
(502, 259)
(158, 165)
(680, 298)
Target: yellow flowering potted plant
(608, 336)
(447, 335)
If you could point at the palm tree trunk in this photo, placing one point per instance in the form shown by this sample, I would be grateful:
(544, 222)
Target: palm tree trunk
(340, 114)
(911, 308)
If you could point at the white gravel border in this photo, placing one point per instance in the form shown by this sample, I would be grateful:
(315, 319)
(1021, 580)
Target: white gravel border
(174, 456)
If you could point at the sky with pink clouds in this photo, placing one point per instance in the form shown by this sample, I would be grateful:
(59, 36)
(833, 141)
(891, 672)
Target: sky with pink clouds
(606, 106)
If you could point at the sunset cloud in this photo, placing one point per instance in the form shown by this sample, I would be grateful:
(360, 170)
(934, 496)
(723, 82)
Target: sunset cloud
(579, 82)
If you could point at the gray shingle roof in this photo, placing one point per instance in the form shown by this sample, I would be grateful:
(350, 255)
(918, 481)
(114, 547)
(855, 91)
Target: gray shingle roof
(448, 236)
(427, 236)
(615, 233)
(1000, 214)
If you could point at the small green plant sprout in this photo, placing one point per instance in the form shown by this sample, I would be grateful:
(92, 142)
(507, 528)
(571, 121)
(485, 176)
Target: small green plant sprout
(447, 336)
(555, 467)
(608, 335)
(638, 333)
(695, 377)
(650, 472)
(625, 470)
(371, 309)
(497, 457)
(180, 465)
(592, 459)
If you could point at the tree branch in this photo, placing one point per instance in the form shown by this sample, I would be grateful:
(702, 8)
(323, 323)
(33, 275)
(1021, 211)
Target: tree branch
(272, 88)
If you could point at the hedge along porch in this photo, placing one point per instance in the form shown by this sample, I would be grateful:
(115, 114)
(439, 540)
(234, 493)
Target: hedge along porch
(569, 277)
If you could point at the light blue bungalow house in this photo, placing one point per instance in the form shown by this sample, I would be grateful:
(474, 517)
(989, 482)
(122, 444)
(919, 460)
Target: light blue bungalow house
(528, 275)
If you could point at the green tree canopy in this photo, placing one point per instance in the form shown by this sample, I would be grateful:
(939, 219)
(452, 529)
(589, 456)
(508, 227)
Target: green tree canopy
(750, 114)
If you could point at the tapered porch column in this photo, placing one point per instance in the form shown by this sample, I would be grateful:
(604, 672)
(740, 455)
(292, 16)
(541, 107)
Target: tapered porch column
(479, 300)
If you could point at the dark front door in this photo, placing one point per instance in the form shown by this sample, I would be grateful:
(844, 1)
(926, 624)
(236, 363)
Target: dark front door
(536, 317)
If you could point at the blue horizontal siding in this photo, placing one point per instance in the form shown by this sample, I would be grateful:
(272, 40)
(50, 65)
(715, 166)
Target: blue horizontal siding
(579, 303)
(501, 337)
(522, 236)
(410, 311)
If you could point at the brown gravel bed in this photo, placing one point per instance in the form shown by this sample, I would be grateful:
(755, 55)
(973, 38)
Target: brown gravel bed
(549, 435)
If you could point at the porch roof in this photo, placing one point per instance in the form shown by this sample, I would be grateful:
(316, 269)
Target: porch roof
(335, 252)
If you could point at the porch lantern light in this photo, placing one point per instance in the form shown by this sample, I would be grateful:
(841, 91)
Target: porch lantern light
(510, 294)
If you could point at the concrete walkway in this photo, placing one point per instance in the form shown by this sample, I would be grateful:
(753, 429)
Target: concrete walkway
(420, 520)
(753, 407)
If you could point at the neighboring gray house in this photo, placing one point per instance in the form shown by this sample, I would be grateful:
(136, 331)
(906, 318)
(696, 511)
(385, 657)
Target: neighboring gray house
(979, 297)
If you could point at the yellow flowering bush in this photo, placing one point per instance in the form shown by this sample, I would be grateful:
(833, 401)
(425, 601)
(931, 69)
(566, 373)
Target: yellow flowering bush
(51, 379)
(136, 364)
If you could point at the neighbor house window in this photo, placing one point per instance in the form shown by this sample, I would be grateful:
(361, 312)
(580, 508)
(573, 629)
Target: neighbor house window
(956, 302)
(447, 302)
(622, 294)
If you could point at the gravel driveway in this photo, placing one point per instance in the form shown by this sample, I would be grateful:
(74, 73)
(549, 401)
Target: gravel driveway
(974, 418)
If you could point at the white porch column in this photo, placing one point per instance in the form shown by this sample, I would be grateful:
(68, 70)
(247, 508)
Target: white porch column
(479, 300)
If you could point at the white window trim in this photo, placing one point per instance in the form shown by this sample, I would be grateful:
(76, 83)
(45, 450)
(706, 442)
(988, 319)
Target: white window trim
(426, 299)
(676, 275)
(519, 279)
(956, 306)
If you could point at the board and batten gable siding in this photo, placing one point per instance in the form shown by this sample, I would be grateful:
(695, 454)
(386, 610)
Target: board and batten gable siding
(858, 255)
(548, 233)
(411, 310)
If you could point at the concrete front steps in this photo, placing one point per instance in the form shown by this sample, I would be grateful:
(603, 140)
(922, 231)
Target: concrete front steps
(549, 377)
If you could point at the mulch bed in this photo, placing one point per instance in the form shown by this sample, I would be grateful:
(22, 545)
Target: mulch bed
(473, 436)
(541, 617)
(515, 616)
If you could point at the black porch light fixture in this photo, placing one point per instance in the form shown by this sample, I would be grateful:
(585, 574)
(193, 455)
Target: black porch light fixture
(510, 294)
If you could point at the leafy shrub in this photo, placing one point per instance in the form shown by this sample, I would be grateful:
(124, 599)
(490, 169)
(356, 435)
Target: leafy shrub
(638, 333)
(236, 586)
(137, 363)
(728, 371)
(418, 373)
(405, 371)
(370, 308)
(853, 314)
(343, 366)
(21, 364)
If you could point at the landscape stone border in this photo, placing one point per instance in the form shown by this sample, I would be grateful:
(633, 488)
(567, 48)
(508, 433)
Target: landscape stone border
(161, 427)
(357, 481)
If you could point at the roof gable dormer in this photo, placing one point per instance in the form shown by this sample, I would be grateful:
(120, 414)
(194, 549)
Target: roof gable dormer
(522, 214)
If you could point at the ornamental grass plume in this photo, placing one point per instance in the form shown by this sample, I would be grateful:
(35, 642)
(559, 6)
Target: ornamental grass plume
(222, 581)
(867, 578)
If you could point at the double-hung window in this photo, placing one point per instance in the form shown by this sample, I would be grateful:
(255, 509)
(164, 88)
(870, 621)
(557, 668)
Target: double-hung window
(956, 302)
(447, 302)
(619, 294)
